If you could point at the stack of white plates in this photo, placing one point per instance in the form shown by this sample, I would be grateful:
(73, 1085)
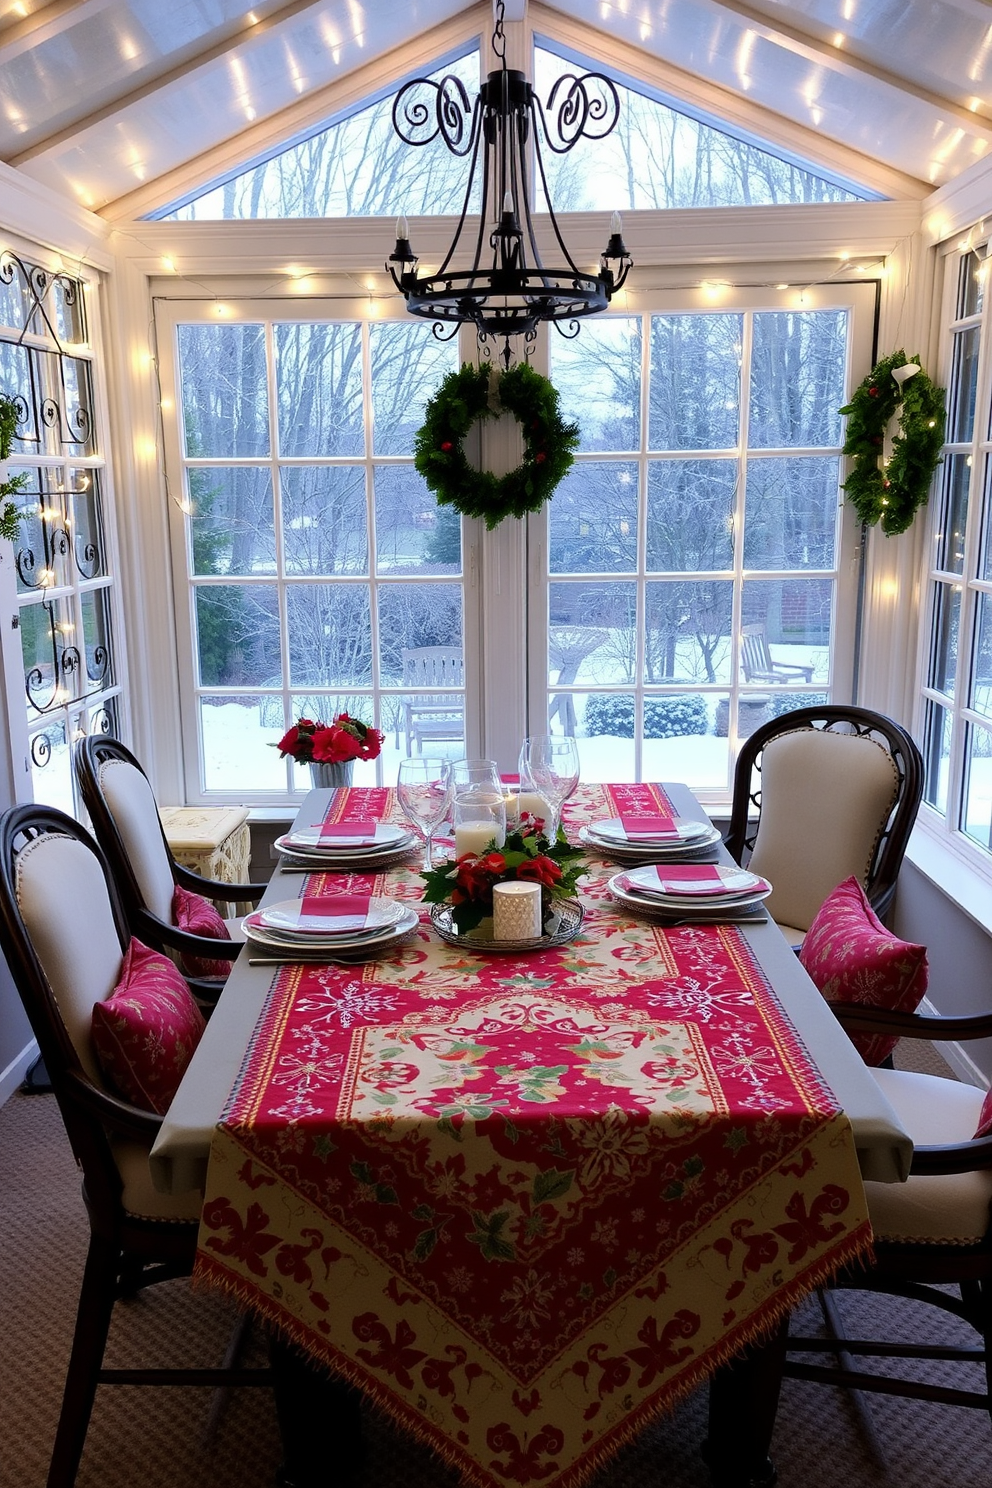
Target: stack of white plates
(332, 924)
(610, 838)
(377, 848)
(660, 889)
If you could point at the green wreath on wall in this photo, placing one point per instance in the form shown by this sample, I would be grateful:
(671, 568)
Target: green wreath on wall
(892, 494)
(485, 392)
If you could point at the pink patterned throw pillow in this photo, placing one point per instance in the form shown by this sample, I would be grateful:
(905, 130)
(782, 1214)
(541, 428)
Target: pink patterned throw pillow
(145, 1032)
(197, 915)
(984, 1126)
(851, 957)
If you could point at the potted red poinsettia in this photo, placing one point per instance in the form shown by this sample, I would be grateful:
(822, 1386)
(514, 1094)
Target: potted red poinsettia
(330, 749)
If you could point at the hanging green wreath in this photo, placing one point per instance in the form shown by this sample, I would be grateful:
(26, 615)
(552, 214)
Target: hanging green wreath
(481, 393)
(892, 494)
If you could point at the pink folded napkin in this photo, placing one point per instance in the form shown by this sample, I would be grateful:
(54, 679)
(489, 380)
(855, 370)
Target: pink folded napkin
(679, 878)
(334, 912)
(657, 826)
(358, 833)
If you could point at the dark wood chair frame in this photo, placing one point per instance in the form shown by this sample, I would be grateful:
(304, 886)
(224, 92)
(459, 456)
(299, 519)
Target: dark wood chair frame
(89, 755)
(125, 1253)
(890, 848)
(913, 1271)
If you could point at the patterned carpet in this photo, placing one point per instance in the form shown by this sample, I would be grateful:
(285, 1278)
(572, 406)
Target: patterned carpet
(161, 1438)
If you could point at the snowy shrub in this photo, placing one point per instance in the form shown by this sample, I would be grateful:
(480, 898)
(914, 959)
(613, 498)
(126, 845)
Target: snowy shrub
(664, 718)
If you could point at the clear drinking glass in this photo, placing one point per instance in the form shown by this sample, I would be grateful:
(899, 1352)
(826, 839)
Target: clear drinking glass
(424, 790)
(549, 768)
(478, 807)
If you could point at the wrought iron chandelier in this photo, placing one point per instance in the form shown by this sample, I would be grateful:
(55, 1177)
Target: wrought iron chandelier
(513, 293)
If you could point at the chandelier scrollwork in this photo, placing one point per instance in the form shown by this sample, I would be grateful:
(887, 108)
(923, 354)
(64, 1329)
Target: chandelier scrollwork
(511, 292)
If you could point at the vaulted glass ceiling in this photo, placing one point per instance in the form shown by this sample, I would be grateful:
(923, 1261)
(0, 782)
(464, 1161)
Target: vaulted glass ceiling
(126, 105)
(657, 157)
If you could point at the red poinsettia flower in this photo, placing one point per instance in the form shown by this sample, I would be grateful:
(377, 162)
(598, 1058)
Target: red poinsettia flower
(475, 876)
(542, 870)
(345, 738)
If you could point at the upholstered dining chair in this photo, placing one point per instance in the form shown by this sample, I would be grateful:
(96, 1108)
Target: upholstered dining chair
(66, 939)
(122, 809)
(822, 793)
(932, 1233)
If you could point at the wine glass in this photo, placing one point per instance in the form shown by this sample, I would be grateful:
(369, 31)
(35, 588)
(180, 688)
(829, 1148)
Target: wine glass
(549, 767)
(424, 791)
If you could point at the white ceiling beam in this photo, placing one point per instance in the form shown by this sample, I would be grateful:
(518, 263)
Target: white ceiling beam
(839, 59)
(24, 32)
(724, 107)
(243, 34)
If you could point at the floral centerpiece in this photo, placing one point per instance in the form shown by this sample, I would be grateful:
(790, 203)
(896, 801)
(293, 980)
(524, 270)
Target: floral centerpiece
(339, 742)
(527, 854)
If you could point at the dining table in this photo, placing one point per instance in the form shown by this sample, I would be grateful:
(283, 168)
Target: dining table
(525, 1200)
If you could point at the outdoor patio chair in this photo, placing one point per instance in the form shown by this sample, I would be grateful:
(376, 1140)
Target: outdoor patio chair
(757, 663)
(434, 716)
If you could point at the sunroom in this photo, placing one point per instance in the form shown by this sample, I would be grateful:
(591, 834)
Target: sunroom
(220, 522)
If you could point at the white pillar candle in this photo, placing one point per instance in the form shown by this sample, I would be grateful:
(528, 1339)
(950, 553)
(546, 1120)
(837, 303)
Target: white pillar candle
(535, 804)
(511, 799)
(474, 836)
(517, 911)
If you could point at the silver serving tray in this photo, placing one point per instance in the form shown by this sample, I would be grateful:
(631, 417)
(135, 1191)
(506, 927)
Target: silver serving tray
(569, 916)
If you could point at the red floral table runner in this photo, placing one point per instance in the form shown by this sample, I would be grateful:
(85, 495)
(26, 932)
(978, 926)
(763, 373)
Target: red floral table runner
(527, 1202)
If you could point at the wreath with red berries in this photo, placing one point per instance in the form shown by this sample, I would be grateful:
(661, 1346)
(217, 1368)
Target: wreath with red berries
(891, 492)
(485, 392)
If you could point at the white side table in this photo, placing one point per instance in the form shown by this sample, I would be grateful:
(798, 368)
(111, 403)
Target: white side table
(214, 841)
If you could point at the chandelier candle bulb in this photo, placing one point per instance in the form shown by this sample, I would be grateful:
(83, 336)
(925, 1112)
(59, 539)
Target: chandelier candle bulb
(402, 228)
(517, 911)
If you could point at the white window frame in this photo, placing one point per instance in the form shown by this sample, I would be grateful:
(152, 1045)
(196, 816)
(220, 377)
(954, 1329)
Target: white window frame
(946, 827)
(858, 298)
(171, 314)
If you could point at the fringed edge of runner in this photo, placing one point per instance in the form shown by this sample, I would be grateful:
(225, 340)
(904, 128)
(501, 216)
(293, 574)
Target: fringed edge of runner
(210, 1273)
(855, 1247)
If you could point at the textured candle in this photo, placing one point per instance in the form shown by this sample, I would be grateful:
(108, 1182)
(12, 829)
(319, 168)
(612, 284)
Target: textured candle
(517, 911)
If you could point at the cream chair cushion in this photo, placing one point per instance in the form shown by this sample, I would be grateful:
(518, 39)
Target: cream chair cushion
(62, 896)
(949, 1209)
(141, 1198)
(825, 798)
(131, 802)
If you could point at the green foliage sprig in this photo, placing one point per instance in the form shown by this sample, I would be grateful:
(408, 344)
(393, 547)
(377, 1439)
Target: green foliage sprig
(464, 397)
(893, 494)
(10, 517)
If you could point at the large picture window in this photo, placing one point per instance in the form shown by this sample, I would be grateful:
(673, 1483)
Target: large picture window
(700, 574)
(692, 576)
(319, 574)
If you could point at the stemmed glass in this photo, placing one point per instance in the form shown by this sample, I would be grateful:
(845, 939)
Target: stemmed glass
(424, 790)
(549, 766)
